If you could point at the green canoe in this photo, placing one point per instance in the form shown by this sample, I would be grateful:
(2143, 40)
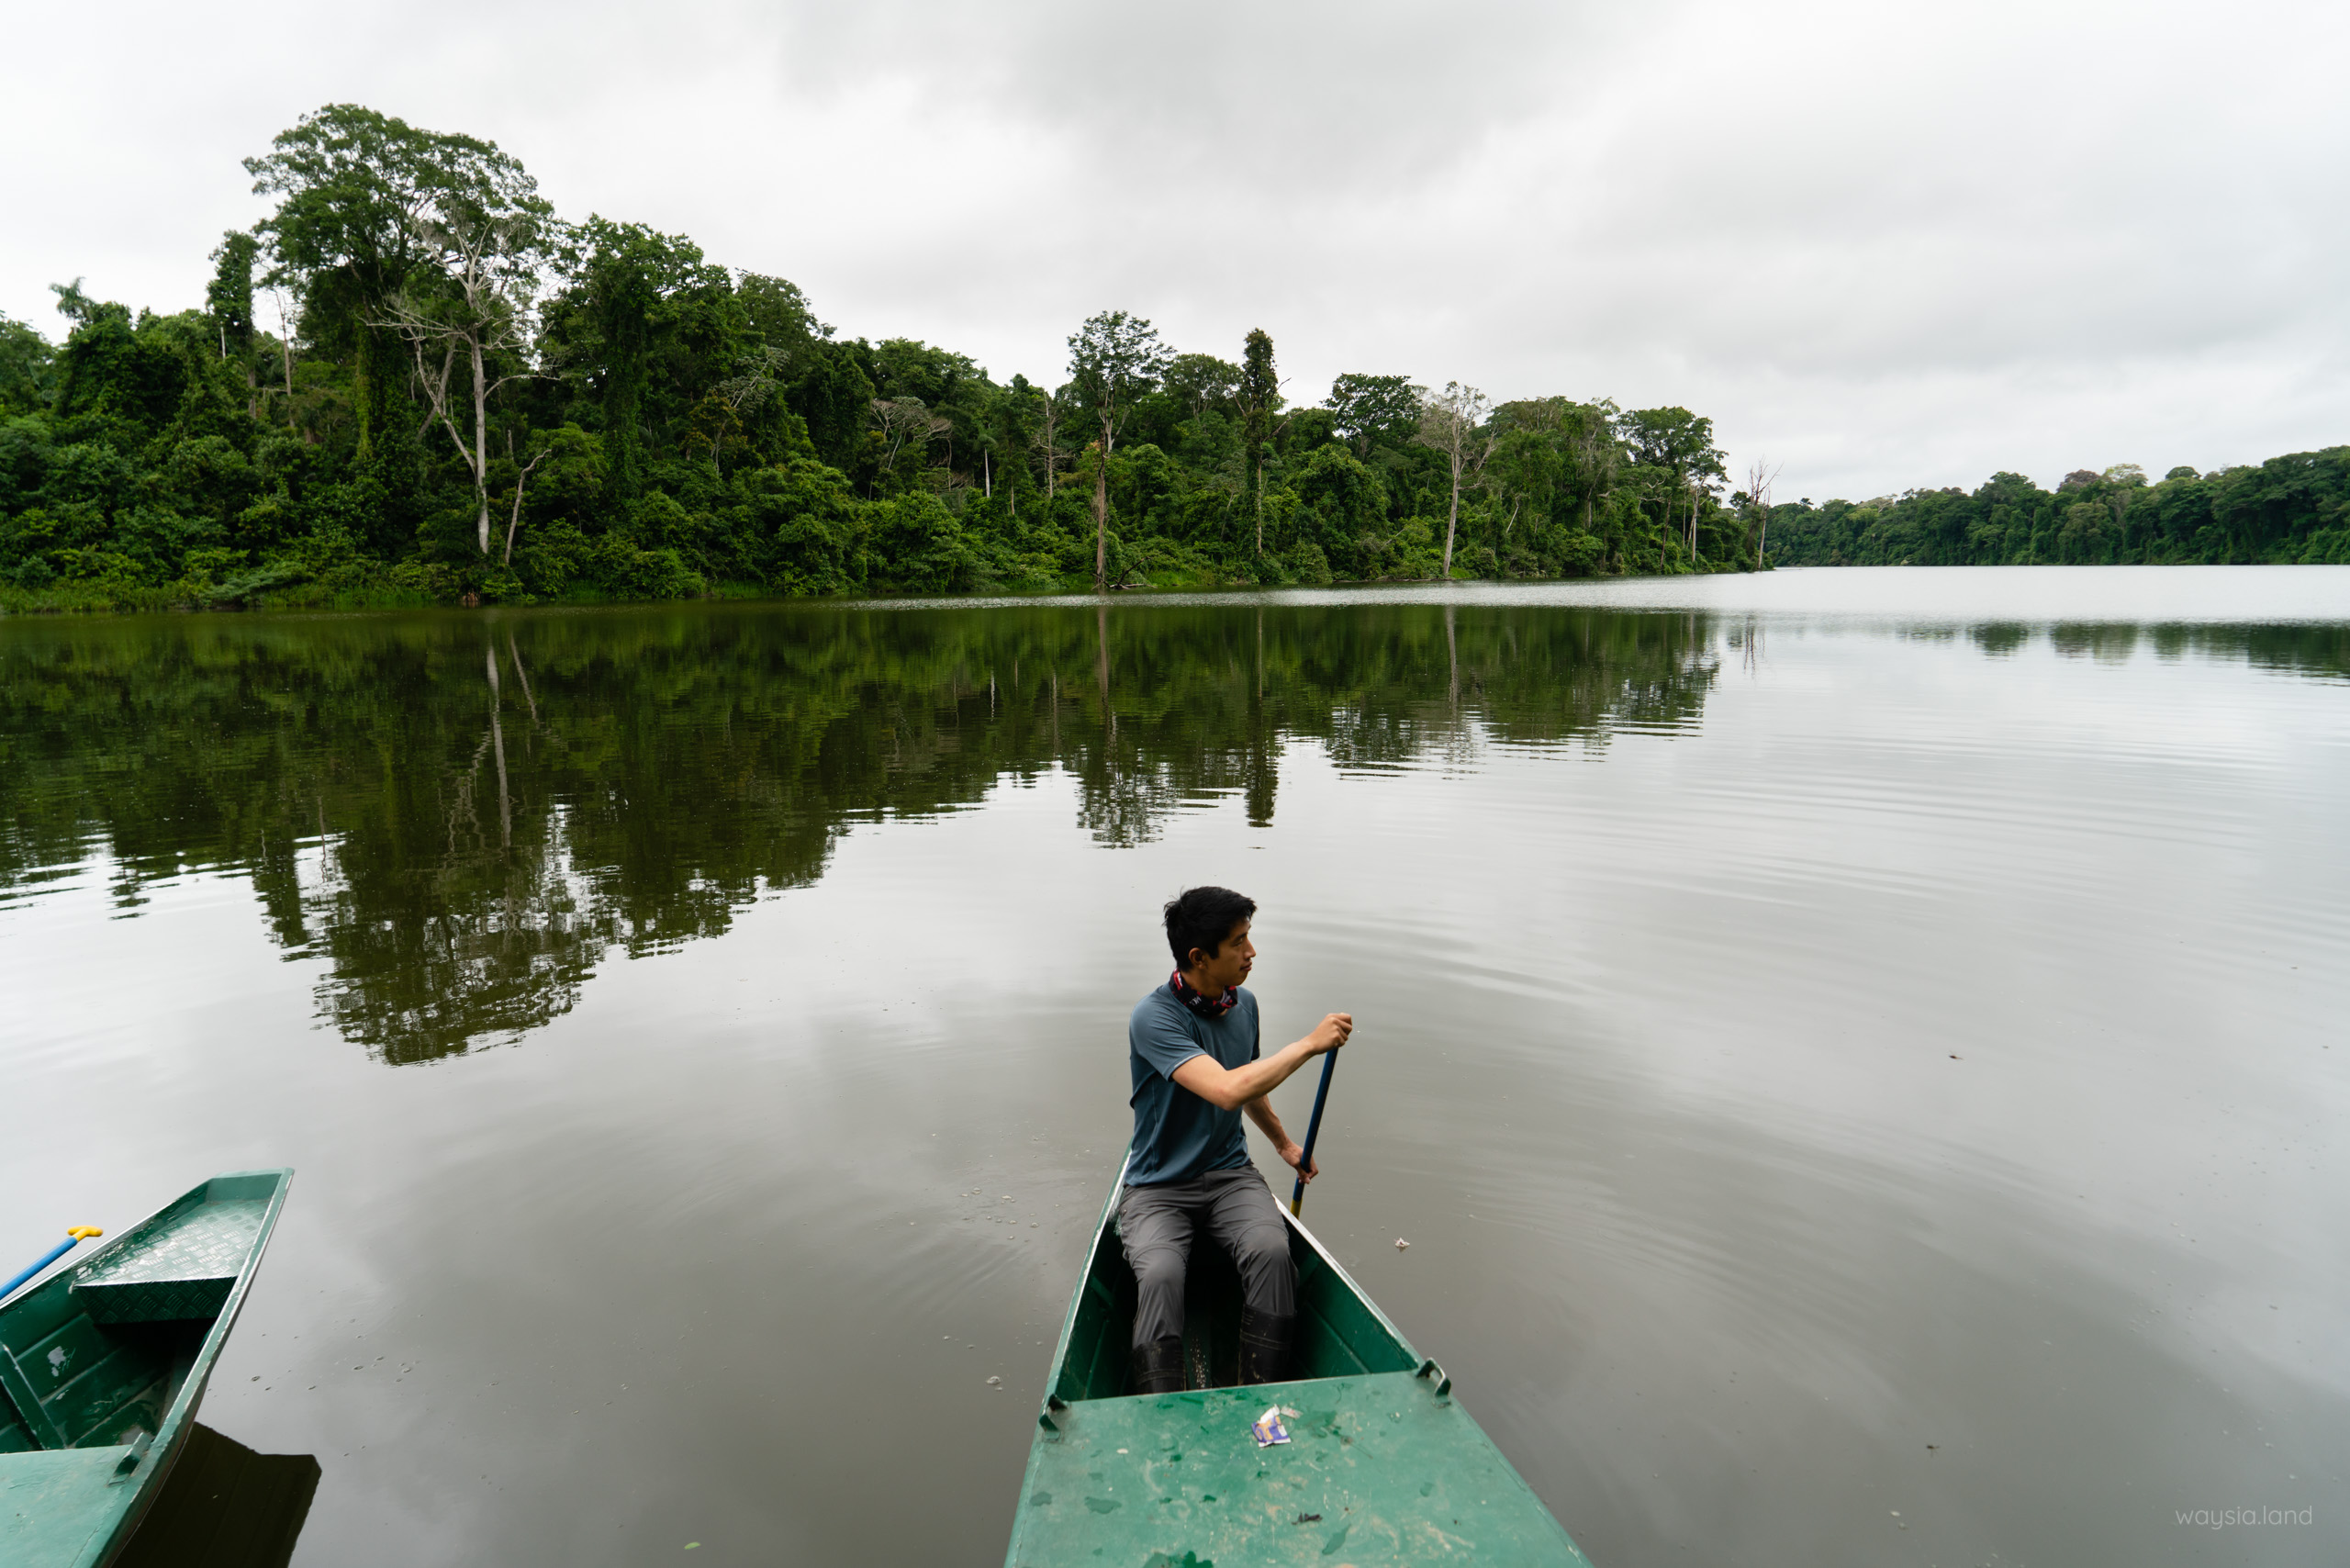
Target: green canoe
(1382, 1465)
(102, 1363)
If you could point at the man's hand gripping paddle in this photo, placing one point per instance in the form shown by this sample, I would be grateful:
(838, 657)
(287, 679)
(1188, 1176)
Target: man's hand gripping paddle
(1313, 1130)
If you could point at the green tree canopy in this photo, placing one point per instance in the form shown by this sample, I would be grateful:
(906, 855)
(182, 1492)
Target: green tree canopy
(352, 187)
(1374, 408)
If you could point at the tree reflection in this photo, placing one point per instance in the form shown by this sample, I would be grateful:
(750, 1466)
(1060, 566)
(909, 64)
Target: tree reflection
(463, 816)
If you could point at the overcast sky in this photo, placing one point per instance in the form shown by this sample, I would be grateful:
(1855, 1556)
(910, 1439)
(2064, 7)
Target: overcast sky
(1886, 245)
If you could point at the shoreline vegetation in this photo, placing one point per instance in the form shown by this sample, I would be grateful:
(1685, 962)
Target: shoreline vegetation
(413, 384)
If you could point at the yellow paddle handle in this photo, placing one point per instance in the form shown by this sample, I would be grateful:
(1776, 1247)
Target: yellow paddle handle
(84, 1232)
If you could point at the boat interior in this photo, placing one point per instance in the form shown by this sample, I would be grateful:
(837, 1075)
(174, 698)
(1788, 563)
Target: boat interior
(1339, 1333)
(95, 1354)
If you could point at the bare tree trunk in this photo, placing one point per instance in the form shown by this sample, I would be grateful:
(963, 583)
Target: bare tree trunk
(1449, 424)
(986, 476)
(514, 521)
(1102, 510)
(480, 454)
(286, 354)
(1453, 518)
(490, 323)
(1759, 475)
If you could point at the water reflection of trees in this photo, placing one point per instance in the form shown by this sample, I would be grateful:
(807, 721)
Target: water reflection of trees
(2308, 649)
(462, 816)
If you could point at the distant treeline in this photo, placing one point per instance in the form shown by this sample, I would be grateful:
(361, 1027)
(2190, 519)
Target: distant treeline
(413, 382)
(2288, 510)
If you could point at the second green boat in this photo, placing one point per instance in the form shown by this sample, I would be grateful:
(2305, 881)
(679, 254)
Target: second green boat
(1382, 1465)
(104, 1362)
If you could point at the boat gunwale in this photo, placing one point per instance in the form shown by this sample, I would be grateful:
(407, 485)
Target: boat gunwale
(1052, 1400)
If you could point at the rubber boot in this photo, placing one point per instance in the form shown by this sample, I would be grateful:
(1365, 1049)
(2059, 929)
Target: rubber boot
(1264, 1346)
(1158, 1367)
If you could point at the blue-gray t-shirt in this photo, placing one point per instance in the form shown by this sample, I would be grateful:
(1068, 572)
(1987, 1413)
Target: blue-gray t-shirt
(1179, 1136)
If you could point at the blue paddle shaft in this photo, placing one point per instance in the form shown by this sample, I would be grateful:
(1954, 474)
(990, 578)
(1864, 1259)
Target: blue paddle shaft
(1313, 1130)
(62, 1248)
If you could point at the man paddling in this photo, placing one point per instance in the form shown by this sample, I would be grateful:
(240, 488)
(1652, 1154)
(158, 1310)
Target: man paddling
(1191, 1047)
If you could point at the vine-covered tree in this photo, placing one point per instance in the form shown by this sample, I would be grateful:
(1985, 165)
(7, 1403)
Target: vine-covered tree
(1261, 398)
(230, 301)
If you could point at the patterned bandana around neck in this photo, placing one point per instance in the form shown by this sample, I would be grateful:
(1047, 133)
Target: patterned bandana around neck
(1205, 1006)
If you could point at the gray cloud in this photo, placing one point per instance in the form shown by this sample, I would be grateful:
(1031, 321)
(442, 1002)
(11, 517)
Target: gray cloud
(1889, 245)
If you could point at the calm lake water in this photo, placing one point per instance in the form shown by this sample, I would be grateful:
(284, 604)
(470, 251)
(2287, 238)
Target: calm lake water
(1859, 1057)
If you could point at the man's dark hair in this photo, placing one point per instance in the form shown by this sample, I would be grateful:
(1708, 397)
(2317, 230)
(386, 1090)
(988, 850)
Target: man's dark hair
(1202, 918)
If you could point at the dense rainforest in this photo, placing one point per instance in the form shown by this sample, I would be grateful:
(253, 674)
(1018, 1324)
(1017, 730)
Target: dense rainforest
(2289, 510)
(414, 383)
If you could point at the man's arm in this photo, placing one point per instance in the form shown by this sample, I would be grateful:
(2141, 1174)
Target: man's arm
(1260, 1111)
(1231, 1088)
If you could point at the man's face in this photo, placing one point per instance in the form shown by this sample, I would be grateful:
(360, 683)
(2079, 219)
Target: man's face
(1234, 957)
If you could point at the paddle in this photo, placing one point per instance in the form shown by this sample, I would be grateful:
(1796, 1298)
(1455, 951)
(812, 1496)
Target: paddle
(78, 1232)
(1312, 1131)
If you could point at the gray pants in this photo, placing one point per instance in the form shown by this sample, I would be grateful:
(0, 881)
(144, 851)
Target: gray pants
(1156, 1224)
